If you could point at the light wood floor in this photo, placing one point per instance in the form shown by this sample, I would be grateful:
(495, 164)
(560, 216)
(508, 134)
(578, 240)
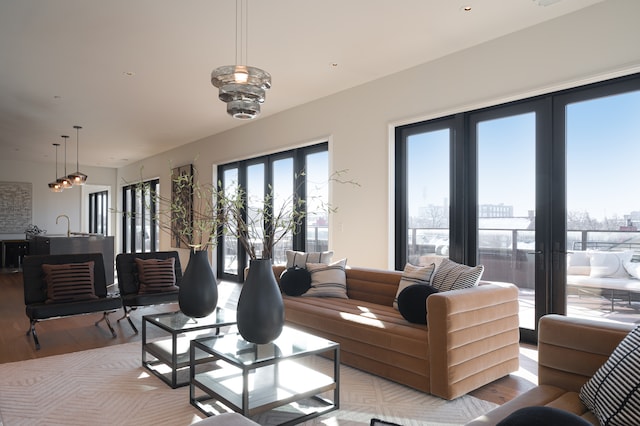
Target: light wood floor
(79, 333)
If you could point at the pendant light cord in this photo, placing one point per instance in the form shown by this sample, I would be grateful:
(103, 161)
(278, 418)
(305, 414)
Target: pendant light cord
(242, 31)
(65, 155)
(77, 147)
(56, 145)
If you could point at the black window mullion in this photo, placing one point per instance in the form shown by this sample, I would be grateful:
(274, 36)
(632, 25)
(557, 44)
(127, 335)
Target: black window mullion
(299, 185)
(401, 199)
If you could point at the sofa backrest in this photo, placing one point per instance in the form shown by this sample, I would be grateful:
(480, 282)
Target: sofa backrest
(570, 350)
(369, 285)
(35, 286)
(128, 270)
(373, 285)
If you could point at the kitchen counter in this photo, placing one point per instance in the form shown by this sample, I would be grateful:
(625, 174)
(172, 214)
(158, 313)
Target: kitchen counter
(77, 244)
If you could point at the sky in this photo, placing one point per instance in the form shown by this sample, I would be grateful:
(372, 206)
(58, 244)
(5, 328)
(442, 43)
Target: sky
(603, 155)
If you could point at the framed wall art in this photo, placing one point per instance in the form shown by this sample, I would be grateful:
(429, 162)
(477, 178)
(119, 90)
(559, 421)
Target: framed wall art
(181, 206)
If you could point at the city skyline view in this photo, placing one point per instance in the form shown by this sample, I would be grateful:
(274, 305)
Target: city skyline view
(602, 147)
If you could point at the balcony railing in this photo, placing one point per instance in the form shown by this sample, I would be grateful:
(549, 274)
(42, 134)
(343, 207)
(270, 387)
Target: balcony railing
(317, 240)
(508, 254)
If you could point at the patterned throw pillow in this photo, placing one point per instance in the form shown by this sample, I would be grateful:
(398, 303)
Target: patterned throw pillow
(455, 276)
(69, 282)
(301, 258)
(414, 275)
(612, 393)
(156, 275)
(328, 280)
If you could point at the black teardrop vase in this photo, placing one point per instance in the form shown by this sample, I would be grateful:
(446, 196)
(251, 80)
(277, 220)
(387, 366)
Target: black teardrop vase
(198, 294)
(260, 312)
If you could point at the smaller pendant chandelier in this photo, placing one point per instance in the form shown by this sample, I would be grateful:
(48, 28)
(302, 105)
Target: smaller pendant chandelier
(64, 181)
(55, 186)
(242, 87)
(77, 178)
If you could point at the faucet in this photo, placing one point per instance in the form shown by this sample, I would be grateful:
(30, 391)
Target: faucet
(68, 223)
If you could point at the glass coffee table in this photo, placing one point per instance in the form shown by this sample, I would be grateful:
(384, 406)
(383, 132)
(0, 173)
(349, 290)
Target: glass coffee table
(279, 377)
(168, 358)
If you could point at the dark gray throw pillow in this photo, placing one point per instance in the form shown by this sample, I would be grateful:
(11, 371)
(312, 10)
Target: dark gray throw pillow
(295, 281)
(547, 416)
(412, 302)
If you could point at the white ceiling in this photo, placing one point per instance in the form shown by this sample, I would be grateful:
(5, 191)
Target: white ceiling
(65, 62)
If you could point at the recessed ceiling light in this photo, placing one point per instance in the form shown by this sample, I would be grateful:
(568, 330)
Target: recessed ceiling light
(57, 97)
(466, 8)
(129, 73)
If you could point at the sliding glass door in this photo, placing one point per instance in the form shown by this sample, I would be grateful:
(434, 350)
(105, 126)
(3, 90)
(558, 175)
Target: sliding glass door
(422, 208)
(506, 201)
(602, 139)
(542, 193)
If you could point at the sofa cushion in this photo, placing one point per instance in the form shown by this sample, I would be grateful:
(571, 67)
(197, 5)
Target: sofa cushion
(612, 393)
(412, 302)
(609, 263)
(328, 280)
(301, 258)
(455, 276)
(69, 281)
(414, 275)
(156, 275)
(295, 281)
(578, 263)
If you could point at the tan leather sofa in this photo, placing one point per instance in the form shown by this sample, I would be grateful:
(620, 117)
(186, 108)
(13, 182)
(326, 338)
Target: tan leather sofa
(570, 351)
(471, 338)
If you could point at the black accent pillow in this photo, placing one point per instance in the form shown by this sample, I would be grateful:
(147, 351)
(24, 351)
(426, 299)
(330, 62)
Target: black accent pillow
(295, 281)
(378, 422)
(412, 302)
(547, 416)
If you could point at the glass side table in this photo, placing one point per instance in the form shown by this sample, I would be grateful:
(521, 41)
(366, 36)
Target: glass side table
(168, 358)
(252, 379)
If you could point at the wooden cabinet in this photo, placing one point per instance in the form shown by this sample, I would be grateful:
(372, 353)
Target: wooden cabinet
(12, 253)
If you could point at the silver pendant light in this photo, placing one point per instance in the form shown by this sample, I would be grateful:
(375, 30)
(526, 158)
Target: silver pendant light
(240, 86)
(64, 180)
(55, 186)
(78, 178)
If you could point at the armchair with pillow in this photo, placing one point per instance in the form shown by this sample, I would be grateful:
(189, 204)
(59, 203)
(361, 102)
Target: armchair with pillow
(146, 279)
(588, 369)
(64, 285)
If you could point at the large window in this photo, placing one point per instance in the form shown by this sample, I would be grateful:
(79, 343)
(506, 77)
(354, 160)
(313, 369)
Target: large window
(533, 186)
(275, 179)
(140, 228)
(423, 204)
(98, 212)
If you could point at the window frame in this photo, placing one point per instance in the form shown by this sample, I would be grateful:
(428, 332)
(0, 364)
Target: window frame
(550, 285)
(99, 217)
(148, 214)
(299, 164)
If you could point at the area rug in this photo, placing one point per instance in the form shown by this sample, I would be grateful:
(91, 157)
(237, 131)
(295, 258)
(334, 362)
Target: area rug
(108, 386)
